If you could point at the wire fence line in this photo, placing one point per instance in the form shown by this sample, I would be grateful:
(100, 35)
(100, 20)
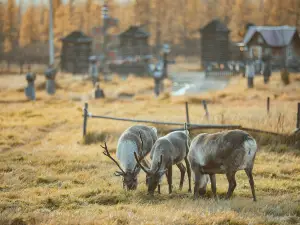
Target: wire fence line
(190, 126)
(164, 123)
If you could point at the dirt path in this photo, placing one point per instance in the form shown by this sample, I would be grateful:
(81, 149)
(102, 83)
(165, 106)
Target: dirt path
(185, 83)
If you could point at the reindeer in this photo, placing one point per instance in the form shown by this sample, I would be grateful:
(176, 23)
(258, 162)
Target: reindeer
(167, 151)
(137, 139)
(222, 153)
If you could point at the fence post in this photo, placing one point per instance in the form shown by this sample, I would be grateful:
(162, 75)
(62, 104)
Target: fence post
(85, 116)
(187, 114)
(298, 116)
(205, 108)
(268, 105)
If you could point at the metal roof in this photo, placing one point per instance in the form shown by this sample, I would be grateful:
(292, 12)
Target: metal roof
(78, 37)
(135, 31)
(215, 25)
(275, 36)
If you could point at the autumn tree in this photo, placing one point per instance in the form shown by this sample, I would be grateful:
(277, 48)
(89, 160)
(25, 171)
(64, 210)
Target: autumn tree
(142, 11)
(10, 25)
(71, 18)
(29, 31)
(273, 12)
(2, 12)
(44, 26)
(292, 12)
(87, 16)
(56, 6)
(241, 15)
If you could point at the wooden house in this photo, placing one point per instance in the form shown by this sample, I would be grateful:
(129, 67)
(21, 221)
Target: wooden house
(76, 49)
(214, 43)
(281, 43)
(134, 42)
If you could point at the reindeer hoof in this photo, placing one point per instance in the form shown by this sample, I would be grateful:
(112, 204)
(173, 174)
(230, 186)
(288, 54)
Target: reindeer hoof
(189, 191)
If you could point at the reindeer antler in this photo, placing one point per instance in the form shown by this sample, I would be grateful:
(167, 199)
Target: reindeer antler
(141, 140)
(136, 166)
(138, 162)
(106, 153)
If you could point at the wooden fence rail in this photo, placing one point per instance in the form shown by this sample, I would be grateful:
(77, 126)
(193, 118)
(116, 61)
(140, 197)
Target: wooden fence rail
(190, 126)
(87, 115)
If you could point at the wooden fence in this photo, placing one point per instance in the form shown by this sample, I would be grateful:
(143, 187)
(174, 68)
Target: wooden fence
(190, 126)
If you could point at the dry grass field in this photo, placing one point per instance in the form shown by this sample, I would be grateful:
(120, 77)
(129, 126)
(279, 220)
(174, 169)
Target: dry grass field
(50, 175)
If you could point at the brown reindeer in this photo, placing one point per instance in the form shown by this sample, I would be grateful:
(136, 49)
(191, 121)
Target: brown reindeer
(167, 151)
(222, 153)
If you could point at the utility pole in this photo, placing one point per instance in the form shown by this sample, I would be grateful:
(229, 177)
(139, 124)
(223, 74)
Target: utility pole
(50, 72)
(51, 37)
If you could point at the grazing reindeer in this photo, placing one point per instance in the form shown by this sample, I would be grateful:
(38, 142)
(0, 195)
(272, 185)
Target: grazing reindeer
(222, 153)
(137, 139)
(167, 151)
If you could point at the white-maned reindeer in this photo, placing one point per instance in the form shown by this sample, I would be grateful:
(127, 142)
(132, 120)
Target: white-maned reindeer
(167, 151)
(137, 139)
(222, 153)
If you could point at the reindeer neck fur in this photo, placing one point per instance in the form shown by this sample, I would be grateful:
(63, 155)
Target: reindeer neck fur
(130, 142)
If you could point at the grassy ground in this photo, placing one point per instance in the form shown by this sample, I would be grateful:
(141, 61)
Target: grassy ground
(50, 175)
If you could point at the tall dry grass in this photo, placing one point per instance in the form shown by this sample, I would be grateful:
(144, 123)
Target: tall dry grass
(49, 175)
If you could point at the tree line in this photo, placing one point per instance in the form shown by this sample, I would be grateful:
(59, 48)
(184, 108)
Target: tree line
(176, 22)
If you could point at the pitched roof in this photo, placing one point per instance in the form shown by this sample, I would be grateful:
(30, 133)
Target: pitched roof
(77, 36)
(274, 36)
(215, 25)
(135, 31)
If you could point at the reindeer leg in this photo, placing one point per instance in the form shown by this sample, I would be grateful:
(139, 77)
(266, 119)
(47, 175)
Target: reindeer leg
(182, 172)
(188, 168)
(251, 182)
(213, 185)
(170, 178)
(197, 184)
(158, 189)
(232, 184)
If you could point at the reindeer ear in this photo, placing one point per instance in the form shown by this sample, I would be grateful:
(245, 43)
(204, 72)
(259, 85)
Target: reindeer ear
(154, 130)
(119, 173)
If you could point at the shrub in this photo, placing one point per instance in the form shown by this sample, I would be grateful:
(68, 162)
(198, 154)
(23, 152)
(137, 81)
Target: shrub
(285, 76)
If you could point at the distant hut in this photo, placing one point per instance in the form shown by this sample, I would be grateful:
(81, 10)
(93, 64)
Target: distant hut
(281, 43)
(75, 53)
(214, 43)
(133, 52)
(134, 42)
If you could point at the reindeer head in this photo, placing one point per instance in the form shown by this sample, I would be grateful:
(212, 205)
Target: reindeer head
(129, 178)
(152, 178)
(130, 181)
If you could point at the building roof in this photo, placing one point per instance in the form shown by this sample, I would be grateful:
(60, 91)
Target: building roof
(215, 25)
(77, 36)
(274, 36)
(135, 31)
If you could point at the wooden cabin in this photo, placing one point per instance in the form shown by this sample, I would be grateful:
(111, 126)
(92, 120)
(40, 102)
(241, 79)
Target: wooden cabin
(76, 49)
(281, 43)
(214, 43)
(134, 42)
